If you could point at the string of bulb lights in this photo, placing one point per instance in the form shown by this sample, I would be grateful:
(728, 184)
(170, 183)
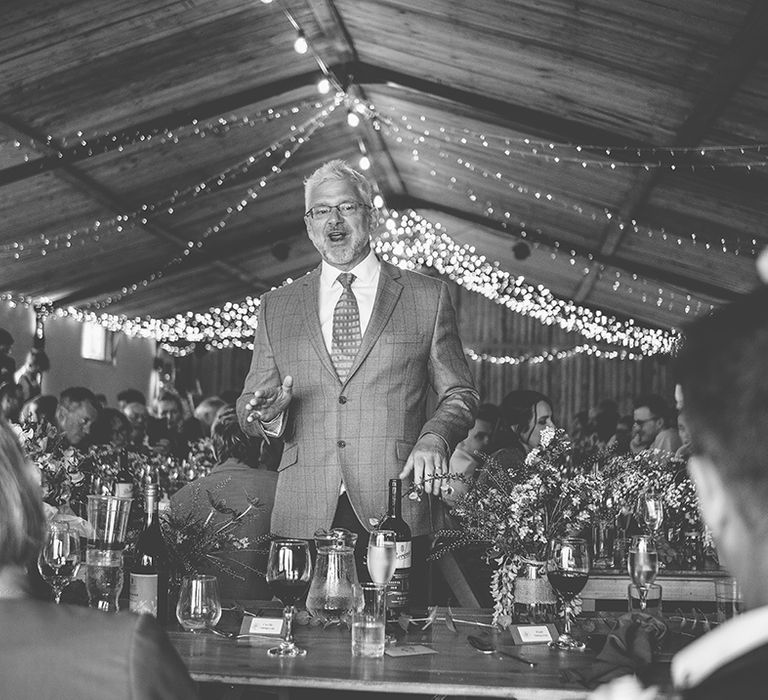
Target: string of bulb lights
(409, 241)
(732, 244)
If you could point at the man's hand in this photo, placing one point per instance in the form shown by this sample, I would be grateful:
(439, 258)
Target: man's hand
(267, 404)
(428, 462)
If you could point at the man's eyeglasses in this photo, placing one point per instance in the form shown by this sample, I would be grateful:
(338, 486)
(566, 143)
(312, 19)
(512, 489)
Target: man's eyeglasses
(346, 209)
(641, 423)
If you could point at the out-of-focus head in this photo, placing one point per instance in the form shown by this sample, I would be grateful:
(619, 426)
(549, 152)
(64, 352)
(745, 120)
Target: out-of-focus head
(112, 427)
(40, 409)
(76, 413)
(723, 371)
(479, 436)
(136, 413)
(127, 396)
(6, 341)
(339, 214)
(650, 415)
(207, 410)
(170, 410)
(11, 399)
(229, 440)
(526, 413)
(37, 360)
(22, 522)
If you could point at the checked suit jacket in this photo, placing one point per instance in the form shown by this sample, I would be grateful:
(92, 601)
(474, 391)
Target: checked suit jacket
(360, 431)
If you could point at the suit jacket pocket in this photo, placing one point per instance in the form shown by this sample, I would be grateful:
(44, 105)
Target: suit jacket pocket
(400, 338)
(402, 450)
(290, 456)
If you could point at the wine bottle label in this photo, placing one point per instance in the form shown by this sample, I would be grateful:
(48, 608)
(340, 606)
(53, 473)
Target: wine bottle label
(403, 554)
(124, 490)
(143, 598)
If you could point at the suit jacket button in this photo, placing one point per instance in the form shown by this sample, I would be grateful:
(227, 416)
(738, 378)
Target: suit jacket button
(342, 399)
(341, 443)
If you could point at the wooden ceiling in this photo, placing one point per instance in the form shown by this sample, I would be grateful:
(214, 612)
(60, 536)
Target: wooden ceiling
(598, 132)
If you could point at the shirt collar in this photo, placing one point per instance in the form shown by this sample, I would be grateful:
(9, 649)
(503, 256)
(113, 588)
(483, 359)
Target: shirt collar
(717, 648)
(365, 271)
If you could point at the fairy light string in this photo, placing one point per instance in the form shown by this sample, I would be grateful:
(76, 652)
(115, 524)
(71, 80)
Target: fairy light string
(43, 244)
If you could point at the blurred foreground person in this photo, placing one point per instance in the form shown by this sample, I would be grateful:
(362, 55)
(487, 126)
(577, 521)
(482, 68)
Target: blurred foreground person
(48, 651)
(722, 371)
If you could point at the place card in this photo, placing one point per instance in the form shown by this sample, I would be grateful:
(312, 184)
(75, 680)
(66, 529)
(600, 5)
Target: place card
(409, 650)
(262, 625)
(534, 634)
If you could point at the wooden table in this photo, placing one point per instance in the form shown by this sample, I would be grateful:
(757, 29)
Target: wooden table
(457, 669)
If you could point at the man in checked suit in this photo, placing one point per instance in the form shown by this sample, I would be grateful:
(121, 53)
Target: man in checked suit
(352, 412)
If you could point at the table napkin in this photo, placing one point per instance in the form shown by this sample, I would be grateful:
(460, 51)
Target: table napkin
(627, 650)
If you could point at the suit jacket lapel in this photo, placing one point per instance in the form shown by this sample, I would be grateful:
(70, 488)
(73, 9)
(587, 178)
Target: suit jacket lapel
(310, 294)
(386, 298)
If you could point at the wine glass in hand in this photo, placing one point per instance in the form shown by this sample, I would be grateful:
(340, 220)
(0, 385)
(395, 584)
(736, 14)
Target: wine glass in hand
(568, 571)
(643, 565)
(59, 558)
(289, 570)
(651, 511)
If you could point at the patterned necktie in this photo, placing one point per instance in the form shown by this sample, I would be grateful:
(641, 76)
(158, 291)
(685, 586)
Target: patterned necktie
(346, 337)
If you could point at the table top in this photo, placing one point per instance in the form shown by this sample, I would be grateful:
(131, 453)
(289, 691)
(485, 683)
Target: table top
(456, 668)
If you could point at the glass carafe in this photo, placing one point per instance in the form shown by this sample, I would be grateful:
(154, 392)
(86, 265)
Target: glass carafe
(335, 590)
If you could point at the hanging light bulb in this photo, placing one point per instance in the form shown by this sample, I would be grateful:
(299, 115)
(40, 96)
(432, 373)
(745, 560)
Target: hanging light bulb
(324, 86)
(364, 163)
(352, 119)
(301, 46)
(267, 2)
(378, 201)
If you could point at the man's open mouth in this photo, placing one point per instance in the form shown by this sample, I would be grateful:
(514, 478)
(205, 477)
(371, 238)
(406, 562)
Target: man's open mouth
(337, 235)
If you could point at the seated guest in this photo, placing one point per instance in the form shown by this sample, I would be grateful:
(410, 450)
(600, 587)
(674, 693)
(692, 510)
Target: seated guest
(111, 428)
(41, 409)
(139, 418)
(619, 443)
(61, 651)
(523, 414)
(10, 402)
(127, 396)
(30, 375)
(75, 415)
(7, 363)
(206, 412)
(468, 455)
(650, 430)
(172, 433)
(233, 483)
(723, 370)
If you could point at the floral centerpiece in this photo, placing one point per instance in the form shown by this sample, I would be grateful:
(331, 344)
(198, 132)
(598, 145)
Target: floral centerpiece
(684, 540)
(196, 545)
(516, 510)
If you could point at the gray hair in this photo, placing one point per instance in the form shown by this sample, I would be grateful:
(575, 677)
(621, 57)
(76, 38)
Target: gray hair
(339, 170)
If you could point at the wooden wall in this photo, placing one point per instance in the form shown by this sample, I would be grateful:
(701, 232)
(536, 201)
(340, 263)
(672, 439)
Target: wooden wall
(574, 384)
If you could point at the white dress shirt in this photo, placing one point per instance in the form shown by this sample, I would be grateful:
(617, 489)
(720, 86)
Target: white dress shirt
(366, 282)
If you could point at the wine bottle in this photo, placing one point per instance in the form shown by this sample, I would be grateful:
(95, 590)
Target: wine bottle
(398, 591)
(124, 478)
(149, 572)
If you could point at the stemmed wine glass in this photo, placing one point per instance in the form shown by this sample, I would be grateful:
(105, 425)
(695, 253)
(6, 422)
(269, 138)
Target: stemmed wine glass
(650, 508)
(289, 570)
(382, 556)
(568, 571)
(382, 562)
(643, 565)
(59, 558)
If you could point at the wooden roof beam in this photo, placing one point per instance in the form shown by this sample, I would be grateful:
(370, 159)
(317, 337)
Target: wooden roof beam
(117, 138)
(747, 46)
